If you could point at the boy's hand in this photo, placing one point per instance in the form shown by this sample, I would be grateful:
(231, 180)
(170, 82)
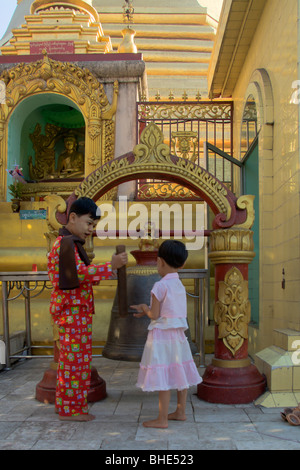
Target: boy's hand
(117, 261)
(142, 310)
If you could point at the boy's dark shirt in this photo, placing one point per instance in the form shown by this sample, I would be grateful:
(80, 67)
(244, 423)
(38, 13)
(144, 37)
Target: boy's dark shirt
(68, 277)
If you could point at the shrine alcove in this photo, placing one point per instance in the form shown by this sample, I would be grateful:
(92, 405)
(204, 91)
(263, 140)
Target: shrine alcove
(36, 132)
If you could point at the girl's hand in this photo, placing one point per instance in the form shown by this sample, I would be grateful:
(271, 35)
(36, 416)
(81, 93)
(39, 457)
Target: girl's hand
(142, 309)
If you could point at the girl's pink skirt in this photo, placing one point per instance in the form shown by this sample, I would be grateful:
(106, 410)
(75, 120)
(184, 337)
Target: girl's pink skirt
(167, 362)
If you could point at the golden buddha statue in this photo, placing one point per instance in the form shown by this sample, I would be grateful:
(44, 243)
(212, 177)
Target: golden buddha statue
(70, 162)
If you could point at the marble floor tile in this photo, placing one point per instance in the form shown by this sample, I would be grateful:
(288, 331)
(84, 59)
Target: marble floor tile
(26, 423)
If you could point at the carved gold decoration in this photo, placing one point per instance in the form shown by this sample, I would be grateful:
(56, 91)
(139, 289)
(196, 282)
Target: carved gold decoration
(43, 189)
(246, 202)
(232, 311)
(153, 158)
(184, 144)
(152, 148)
(233, 245)
(55, 204)
(81, 87)
(156, 110)
(141, 270)
(164, 191)
(44, 147)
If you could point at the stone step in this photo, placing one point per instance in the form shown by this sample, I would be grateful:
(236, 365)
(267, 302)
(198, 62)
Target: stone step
(281, 368)
(287, 339)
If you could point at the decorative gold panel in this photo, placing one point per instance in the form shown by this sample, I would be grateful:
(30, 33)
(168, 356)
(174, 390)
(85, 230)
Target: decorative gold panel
(234, 245)
(232, 311)
(164, 191)
(185, 111)
(184, 144)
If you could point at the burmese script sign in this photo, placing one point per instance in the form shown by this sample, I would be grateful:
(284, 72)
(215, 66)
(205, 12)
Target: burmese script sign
(52, 47)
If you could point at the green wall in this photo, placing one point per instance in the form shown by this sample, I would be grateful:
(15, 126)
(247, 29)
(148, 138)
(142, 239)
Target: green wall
(251, 186)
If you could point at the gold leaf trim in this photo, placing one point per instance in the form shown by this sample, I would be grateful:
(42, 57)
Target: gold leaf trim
(232, 311)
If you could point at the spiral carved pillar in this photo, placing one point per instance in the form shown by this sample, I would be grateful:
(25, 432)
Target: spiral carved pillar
(231, 378)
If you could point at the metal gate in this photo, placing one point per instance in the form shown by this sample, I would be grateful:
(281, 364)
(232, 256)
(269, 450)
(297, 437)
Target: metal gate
(187, 128)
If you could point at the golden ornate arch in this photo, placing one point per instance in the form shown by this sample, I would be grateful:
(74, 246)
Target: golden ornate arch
(77, 84)
(152, 159)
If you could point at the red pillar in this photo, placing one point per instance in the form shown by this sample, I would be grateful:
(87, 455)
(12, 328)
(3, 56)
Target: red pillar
(231, 378)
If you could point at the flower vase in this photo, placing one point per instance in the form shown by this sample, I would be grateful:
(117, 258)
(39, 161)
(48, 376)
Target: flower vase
(15, 204)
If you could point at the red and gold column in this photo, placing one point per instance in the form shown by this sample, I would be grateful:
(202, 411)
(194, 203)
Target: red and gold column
(231, 378)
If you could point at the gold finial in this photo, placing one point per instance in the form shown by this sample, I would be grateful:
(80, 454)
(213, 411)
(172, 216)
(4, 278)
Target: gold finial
(46, 70)
(171, 96)
(157, 96)
(127, 44)
(198, 96)
(128, 12)
(184, 96)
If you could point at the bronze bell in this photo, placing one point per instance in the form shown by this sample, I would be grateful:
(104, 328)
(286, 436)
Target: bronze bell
(127, 335)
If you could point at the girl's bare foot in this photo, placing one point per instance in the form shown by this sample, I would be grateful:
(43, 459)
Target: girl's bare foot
(156, 423)
(85, 417)
(177, 416)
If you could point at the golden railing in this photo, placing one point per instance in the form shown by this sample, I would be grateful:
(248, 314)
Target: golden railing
(187, 126)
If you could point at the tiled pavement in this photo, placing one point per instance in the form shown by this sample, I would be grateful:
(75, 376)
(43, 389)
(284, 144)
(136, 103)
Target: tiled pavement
(27, 424)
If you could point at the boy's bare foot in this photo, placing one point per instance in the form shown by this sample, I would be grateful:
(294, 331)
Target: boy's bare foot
(156, 423)
(177, 416)
(85, 417)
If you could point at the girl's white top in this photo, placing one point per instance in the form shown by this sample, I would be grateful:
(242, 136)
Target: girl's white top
(171, 294)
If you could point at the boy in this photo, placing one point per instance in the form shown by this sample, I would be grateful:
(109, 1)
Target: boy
(72, 307)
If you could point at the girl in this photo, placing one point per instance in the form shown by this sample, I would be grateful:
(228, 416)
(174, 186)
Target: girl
(167, 362)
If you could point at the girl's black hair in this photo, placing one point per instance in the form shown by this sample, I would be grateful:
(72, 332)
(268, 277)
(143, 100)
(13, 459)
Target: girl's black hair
(85, 205)
(173, 252)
